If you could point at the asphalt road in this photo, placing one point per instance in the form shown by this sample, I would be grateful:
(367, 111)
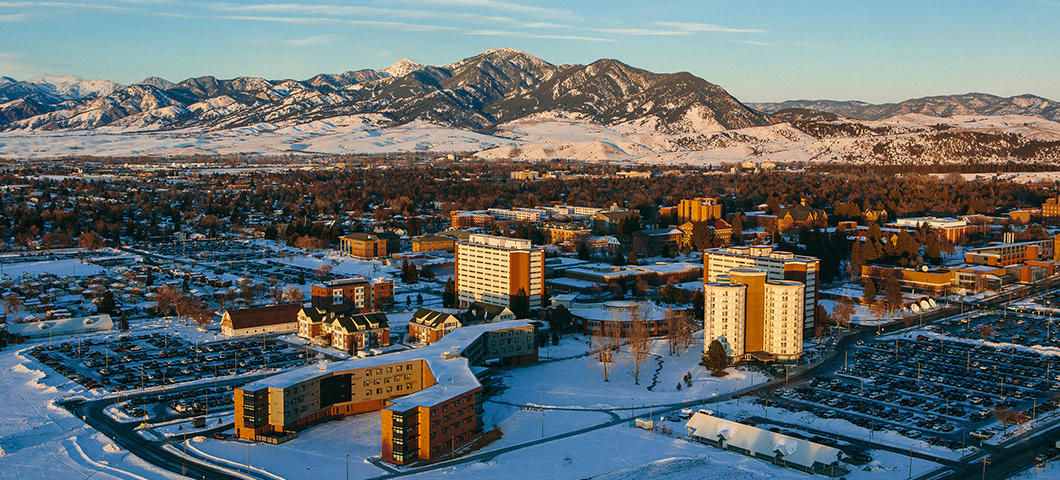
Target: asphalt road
(125, 436)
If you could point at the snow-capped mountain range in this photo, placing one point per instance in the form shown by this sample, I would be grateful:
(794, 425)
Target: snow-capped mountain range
(508, 104)
(476, 93)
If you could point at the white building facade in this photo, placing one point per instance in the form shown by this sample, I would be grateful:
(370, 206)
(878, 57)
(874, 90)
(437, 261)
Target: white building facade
(493, 269)
(778, 265)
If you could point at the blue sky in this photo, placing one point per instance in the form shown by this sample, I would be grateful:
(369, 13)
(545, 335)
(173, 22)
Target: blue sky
(758, 50)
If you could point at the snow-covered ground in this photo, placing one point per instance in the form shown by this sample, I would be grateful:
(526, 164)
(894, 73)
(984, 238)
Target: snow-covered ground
(41, 440)
(577, 382)
(323, 448)
(549, 135)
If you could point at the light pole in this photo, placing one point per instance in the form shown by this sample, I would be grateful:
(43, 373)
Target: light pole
(910, 460)
(347, 467)
(310, 473)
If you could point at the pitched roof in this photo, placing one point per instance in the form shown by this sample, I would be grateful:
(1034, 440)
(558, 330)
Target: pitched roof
(801, 452)
(483, 312)
(367, 321)
(317, 315)
(263, 316)
(614, 215)
(361, 237)
(430, 318)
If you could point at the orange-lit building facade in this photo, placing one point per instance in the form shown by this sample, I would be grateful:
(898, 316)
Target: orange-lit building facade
(429, 397)
(363, 295)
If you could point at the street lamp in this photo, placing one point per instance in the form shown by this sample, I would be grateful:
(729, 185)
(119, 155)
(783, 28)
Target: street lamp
(310, 473)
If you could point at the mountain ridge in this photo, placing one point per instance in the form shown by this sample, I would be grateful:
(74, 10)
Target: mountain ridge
(476, 93)
(973, 103)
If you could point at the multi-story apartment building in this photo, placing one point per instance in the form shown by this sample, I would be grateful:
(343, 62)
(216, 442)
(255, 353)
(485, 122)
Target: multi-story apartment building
(753, 316)
(433, 243)
(429, 397)
(361, 294)
(558, 233)
(532, 215)
(362, 245)
(493, 269)
(469, 219)
(700, 209)
(569, 210)
(340, 327)
(1051, 207)
(778, 265)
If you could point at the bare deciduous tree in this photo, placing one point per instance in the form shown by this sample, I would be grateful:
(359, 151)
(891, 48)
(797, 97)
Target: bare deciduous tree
(90, 241)
(166, 299)
(604, 342)
(202, 315)
(13, 306)
(639, 349)
(673, 327)
(293, 294)
(843, 312)
(323, 272)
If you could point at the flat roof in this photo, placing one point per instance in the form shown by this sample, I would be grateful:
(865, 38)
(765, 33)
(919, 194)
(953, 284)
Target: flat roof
(453, 375)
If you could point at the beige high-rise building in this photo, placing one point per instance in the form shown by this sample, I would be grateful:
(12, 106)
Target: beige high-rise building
(754, 316)
(493, 269)
(783, 320)
(724, 307)
(700, 209)
(778, 265)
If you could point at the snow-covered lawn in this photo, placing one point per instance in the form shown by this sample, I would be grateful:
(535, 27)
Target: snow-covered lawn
(322, 448)
(623, 452)
(577, 382)
(41, 440)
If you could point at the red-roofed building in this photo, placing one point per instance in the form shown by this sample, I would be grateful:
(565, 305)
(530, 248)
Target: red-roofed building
(260, 320)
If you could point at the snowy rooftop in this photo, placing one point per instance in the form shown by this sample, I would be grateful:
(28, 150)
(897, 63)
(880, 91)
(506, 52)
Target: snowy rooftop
(453, 374)
(66, 326)
(793, 450)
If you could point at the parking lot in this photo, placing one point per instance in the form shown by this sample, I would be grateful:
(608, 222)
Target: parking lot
(199, 402)
(942, 386)
(149, 360)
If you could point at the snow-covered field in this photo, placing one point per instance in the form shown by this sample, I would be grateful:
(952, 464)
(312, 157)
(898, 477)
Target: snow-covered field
(546, 136)
(40, 440)
(578, 383)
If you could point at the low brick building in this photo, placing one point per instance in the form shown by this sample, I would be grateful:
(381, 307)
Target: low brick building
(429, 397)
(260, 320)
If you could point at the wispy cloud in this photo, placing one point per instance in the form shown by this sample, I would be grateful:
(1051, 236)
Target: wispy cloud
(410, 27)
(87, 6)
(400, 15)
(707, 27)
(17, 17)
(315, 40)
(640, 31)
(502, 6)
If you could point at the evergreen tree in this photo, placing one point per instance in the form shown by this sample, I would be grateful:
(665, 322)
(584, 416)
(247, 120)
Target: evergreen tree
(419, 299)
(715, 360)
(107, 304)
(583, 251)
(449, 293)
(933, 250)
(737, 229)
(520, 304)
(868, 295)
